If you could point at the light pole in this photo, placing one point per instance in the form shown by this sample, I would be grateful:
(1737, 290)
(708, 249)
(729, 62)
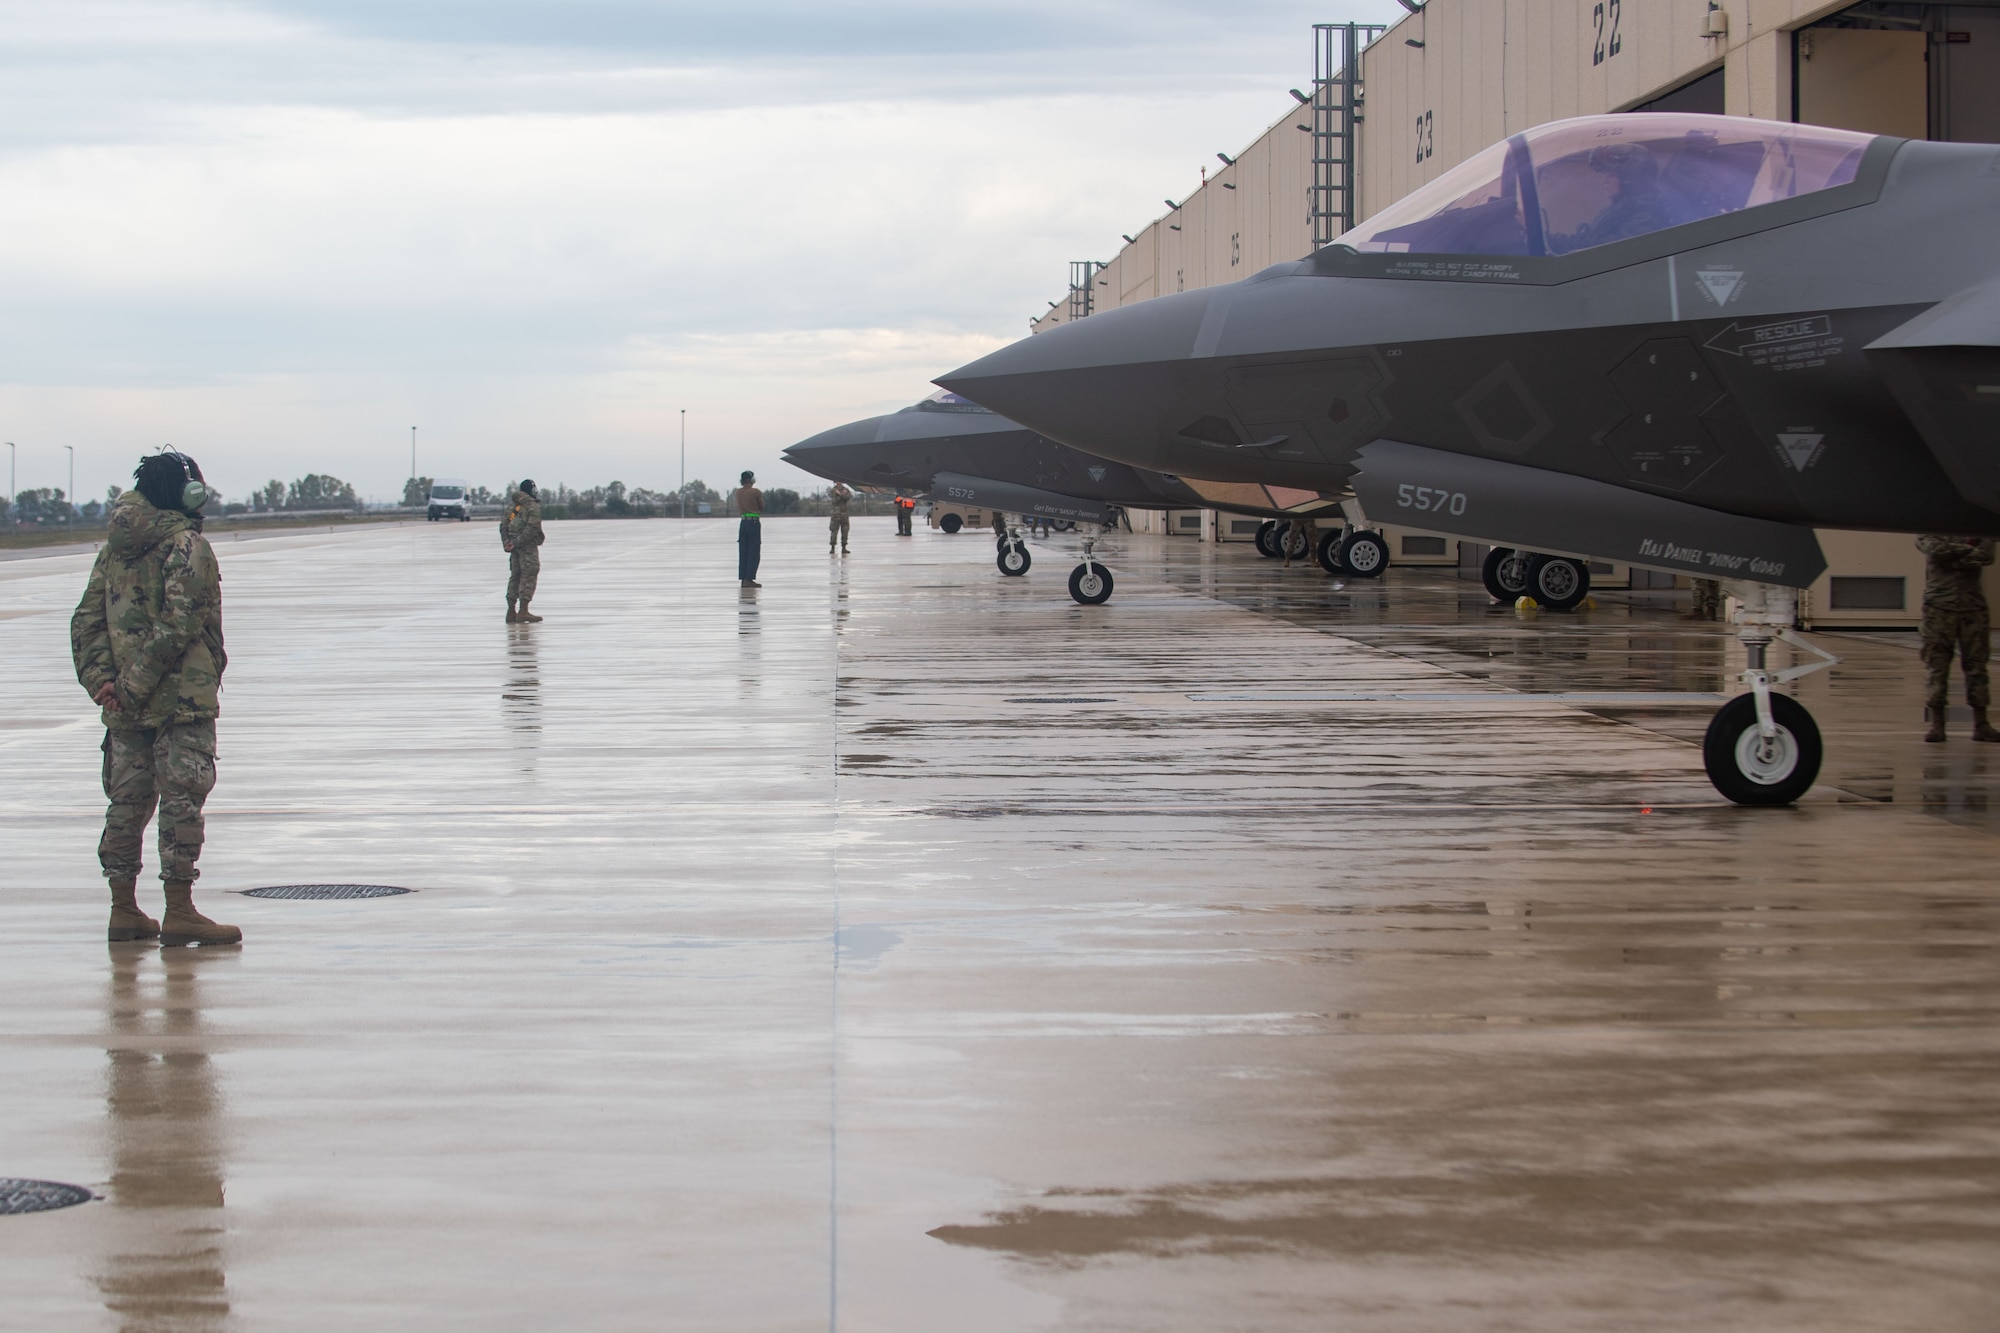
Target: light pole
(684, 462)
(11, 454)
(413, 458)
(71, 516)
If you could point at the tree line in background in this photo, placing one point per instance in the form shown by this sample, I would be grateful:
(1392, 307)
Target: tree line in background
(48, 506)
(616, 499)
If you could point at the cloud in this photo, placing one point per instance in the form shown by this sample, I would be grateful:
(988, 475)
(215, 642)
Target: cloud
(287, 230)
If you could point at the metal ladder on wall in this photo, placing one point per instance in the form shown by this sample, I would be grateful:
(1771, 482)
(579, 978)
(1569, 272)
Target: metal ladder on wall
(1082, 281)
(1336, 111)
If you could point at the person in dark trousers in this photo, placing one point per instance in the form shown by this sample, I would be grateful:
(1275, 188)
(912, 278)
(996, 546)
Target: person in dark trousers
(1955, 619)
(905, 507)
(749, 502)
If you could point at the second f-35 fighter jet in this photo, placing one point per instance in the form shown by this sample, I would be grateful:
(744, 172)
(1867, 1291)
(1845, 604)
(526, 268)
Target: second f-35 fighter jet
(1675, 341)
(962, 453)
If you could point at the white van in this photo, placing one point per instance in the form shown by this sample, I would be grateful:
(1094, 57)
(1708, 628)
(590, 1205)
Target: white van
(448, 500)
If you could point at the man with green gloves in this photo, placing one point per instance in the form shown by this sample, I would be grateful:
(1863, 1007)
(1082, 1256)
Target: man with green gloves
(147, 641)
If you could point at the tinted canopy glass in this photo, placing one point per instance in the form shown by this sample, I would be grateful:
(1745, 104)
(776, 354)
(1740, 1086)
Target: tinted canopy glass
(944, 400)
(1575, 184)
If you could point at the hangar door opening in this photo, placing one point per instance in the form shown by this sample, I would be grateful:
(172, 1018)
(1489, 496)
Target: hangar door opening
(1919, 71)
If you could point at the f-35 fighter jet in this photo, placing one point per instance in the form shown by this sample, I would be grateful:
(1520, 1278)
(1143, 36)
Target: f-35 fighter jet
(1675, 341)
(964, 454)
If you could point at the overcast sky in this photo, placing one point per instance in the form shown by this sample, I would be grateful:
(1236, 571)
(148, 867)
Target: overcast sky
(280, 234)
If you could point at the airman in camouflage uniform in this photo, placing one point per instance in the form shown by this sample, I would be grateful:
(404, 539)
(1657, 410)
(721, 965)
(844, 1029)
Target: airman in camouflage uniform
(147, 642)
(521, 535)
(838, 501)
(1955, 619)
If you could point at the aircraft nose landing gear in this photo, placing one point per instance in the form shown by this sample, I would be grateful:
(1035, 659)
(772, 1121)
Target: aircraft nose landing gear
(1764, 748)
(1012, 555)
(1090, 582)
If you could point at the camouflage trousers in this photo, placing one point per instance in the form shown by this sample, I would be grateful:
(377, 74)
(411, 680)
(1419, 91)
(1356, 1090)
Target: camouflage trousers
(836, 530)
(524, 570)
(1969, 635)
(170, 768)
(1707, 600)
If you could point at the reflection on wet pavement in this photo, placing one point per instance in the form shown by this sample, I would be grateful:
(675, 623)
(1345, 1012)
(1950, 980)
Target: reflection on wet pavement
(1292, 960)
(166, 1125)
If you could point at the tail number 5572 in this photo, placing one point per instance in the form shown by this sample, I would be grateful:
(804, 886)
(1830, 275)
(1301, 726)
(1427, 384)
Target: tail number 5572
(1430, 500)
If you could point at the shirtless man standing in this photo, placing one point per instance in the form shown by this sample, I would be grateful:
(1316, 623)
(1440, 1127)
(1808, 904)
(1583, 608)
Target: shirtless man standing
(749, 502)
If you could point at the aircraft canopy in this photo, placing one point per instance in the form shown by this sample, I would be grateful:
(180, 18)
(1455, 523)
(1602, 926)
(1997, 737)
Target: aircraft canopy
(1575, 184)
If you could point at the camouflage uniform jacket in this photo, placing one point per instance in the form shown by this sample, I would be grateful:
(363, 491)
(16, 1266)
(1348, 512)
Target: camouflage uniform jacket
(837, 501)
(150, 622)
(522, 527)
(1952, 567)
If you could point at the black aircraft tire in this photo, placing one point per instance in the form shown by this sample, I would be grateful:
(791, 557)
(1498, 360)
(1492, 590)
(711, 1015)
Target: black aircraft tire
(1328, 554)
(1364, 554)
(1558, 583)
(1090, 584)
(1729, 752)
(1013, 561)
(1290, 541)
(951, 523)
(1504, 574)
(1267, 545)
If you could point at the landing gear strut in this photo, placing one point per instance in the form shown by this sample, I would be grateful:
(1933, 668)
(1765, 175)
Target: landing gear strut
(1764, 748)
(1090, 582)
(1012, 556)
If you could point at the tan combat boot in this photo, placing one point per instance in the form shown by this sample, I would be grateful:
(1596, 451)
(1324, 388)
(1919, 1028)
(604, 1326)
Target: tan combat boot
(1935, 712)
(528, 617)
(513, 616)
(184, 925)
(1982, 730)
(127, 921)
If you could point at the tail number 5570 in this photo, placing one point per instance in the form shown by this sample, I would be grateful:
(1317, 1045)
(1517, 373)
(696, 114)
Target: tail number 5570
(1430, 500)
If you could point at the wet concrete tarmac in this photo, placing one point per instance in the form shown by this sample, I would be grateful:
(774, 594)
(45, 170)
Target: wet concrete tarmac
(901, 947)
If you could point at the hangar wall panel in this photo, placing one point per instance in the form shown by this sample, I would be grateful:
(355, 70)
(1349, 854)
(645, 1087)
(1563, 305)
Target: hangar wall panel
(1486, 69)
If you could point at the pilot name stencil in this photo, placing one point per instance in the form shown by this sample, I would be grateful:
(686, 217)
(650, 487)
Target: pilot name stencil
(1651, 548)
(1786, 344)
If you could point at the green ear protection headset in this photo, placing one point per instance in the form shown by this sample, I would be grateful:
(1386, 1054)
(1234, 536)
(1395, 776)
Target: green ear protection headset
(193, 494)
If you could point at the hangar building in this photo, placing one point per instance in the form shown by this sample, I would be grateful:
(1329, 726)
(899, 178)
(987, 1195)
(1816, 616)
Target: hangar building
(1389, 111)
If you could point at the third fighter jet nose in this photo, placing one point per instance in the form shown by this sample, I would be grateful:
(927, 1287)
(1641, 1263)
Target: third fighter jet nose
(844, 453)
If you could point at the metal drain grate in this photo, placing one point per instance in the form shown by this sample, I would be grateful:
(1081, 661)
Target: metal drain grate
(39, 1196)
(323, 891)
(1061, 699)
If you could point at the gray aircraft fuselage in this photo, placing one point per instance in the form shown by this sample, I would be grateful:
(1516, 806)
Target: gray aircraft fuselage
(1831, 359)
(908, 449)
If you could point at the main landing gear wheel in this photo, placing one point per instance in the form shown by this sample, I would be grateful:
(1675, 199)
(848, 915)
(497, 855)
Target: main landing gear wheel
(1267, 539)
(951, 522)
(1290, 540)
(1750, 770)
(1505, 573)
(1013, 560)
(1328, 553)
(1557, 583)
(1090, 584)
(1364, 554)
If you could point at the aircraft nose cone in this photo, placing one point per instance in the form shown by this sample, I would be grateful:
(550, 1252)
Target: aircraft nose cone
(1109, 384)
(840, 454)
